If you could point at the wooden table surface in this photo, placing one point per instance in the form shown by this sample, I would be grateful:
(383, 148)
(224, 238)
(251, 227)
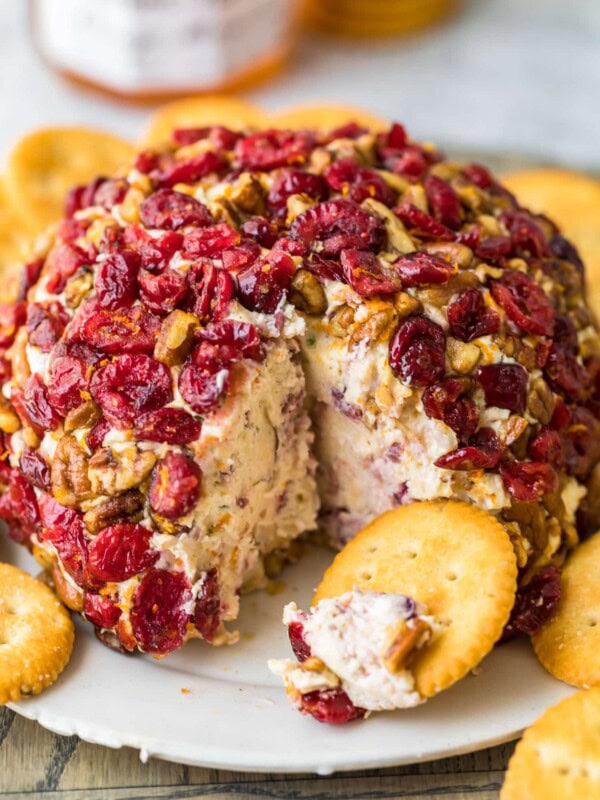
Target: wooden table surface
(35, 763)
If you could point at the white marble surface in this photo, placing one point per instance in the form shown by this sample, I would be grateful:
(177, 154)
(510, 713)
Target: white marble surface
(520, 75)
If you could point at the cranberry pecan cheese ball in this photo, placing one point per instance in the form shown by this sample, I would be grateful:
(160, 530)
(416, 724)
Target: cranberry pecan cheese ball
(159, 367)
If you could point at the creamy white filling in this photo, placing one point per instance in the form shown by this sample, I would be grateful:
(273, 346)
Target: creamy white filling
(351, 635)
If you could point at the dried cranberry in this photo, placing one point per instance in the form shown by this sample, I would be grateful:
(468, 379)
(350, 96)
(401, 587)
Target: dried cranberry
(110, 193)
(330, 705)
(291, 246)
(171, 425)
(155, 251)
(72, 547)
(546, 446)
(262, 285)
(447, 401)
(363, 272)
(37, 405)
(189, 170)
(504, 386)
(68, 230)
(35, 469)
(421, 269)
(29, 275)
(273, 148)
(338, 225)
(19, 508)
(421, 224)
(64, 261)
(231, 341)
(158, 616)
(396, 137)
(128, 330)
(477, 174)
(207, 611)
(299, 644)
(261, 231)
(351, 130)
(100, 611)
(53, 513)
(45, 324)
(120, 551)
(162, 293)
(209, 241)
(528, 481)
(410, 164)
(443, 201)
(526, 236)
(469, 317)
(358, 183)
(325, 268)
(581, 441)
(203, 388)
(172, 210)
(236, 259)
(470, 236)
(524, 302)
(5, 366)
(116, 280)
(67, 380)
(17, 399)
(484, 451)
(95, 437)
(418, 351)
(564, 249)
(222, 138)
(494, 249)
(175, 486)
(12, 316)
(535, 603)
(294, 181)
(563, 370)
(129, 386)
(211, 290)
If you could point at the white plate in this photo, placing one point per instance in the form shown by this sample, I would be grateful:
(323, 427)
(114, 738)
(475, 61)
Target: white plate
(236, 716)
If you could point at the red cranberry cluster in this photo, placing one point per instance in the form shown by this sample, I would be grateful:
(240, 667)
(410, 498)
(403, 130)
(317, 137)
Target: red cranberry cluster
(107, 298)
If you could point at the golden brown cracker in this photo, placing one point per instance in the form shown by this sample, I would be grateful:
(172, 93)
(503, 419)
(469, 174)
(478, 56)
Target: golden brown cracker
(36, 635)
(326, 117)
(198, 112)
(46, 163)
(558, 757)
(13, 248)
(451, 556)
(568, 645)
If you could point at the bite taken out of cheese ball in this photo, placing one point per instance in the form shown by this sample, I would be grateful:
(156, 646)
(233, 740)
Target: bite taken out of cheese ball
(250, 329)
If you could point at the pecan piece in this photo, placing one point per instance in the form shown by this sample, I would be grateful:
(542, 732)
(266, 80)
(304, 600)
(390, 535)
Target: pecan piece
(69, 477)
(114, 509)
(112, 472)
(307, 294)
(540, 401)
(84, 416)
(341, 321)
(9, 419)
(175, 338)
(68, 594)
(401, 648)
(77, 287)
(375, 326)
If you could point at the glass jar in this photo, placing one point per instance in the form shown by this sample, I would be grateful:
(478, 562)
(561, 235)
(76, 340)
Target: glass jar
(152, 49)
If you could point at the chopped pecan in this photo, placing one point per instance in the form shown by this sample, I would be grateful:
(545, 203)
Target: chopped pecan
(540, 401)
(463, 356)
(511, 429)
(111, 472)
(405, 304)
(376, 326)
(175, 338)
(20, 362)
(70, 595)
(402, 646)
(398, 237)
(84, 416)
(77, 287)
(9, 419)
(113, 509)
(69, 477)
(307, 294)
(341, 321)
(453, 252)
(248, 194)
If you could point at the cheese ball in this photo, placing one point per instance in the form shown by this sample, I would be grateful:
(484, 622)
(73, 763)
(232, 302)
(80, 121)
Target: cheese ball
(253, 334)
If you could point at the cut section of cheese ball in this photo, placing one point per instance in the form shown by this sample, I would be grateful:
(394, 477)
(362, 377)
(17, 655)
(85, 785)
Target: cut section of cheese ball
(155, 368)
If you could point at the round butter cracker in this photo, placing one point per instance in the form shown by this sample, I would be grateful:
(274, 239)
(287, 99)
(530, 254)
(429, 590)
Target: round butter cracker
(45, 164)
(568, 645)
(455, 559)
(558, 757)
(36, 635)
